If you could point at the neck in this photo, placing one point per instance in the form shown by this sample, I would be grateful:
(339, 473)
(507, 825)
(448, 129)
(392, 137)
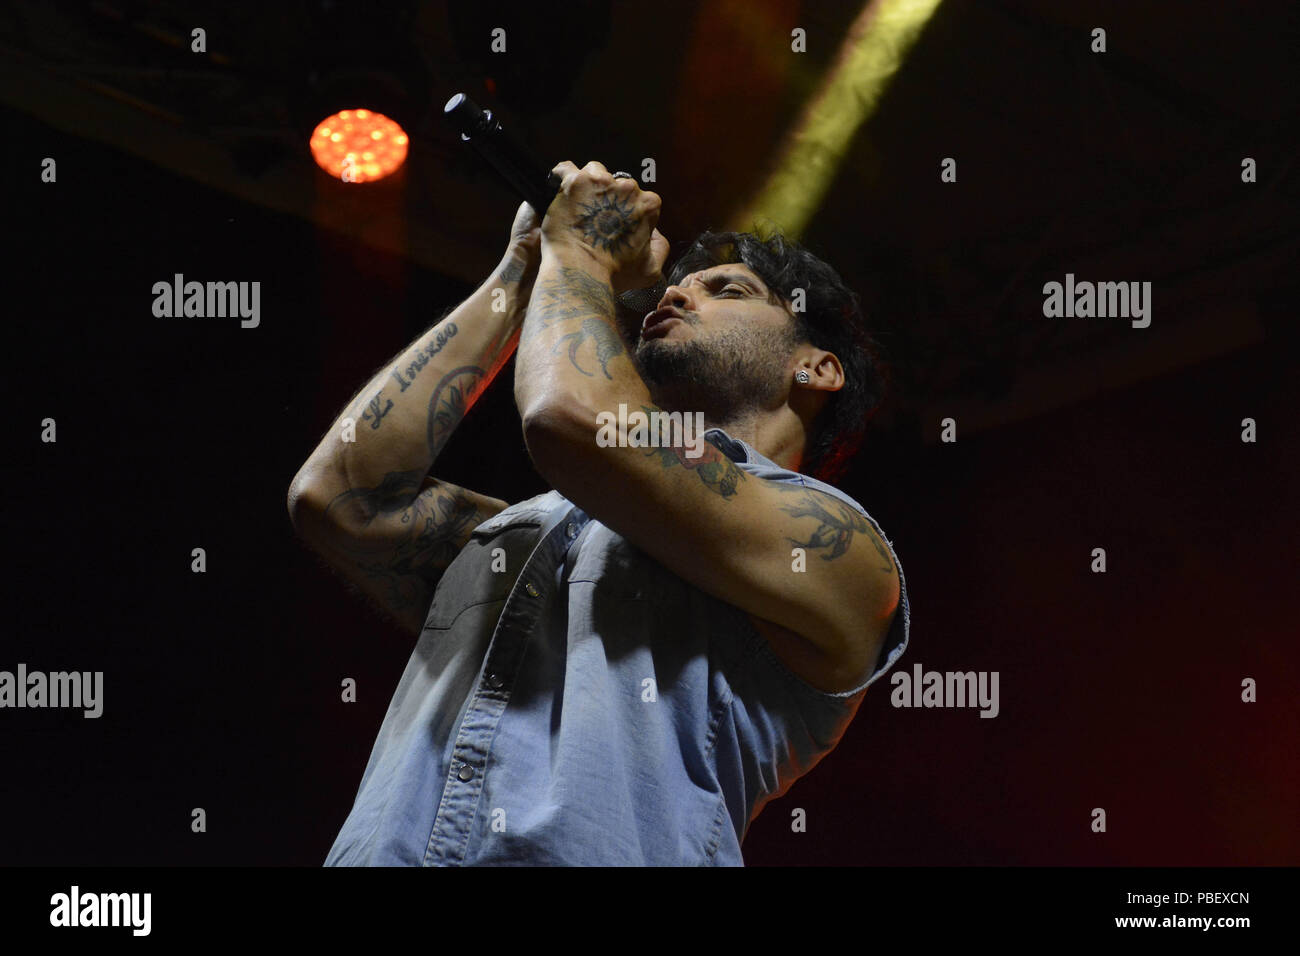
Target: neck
(776, 435)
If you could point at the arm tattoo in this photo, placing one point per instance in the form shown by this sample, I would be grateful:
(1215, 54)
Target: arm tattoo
(570, 295)
(836, 524)
(608, 223)
(608, 344)
(718, 472)
(431, 525)
(435, 525)
(424, 355)
(397, 491)
(447, 405)
(375, 412)
(378, 406)
(392, 494)
(514, 271)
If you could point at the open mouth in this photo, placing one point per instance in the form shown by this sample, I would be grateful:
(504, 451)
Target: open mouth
(658, 322)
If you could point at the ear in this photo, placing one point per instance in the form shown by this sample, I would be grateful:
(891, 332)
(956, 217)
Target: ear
(825, 369)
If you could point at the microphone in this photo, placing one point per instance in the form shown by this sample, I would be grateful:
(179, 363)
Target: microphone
(532, 181)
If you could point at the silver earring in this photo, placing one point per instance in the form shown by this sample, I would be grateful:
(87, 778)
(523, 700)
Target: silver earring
(802, 377)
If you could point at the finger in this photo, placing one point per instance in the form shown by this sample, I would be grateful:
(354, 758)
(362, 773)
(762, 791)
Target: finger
(650, 217)
(598, 173)
(521, 221)
(659, 248)
(625, 186)
(566, 171)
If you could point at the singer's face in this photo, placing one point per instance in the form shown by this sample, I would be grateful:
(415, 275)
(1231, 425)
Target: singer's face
(720, 297)
(720, 327)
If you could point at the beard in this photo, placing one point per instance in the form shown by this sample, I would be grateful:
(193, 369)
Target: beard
(725, 375)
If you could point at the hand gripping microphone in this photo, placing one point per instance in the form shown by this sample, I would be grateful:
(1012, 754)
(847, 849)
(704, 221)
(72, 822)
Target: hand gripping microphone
(534, 183)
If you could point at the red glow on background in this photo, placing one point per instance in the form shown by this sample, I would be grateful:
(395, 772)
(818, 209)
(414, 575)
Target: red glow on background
(358, 146)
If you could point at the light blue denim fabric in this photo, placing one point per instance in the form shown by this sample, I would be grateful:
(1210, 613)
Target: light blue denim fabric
(586, 706)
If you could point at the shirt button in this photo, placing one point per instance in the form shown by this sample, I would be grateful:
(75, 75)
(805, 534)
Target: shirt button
(571, 530)
(531, 589)
(466, 773)
(493, 680)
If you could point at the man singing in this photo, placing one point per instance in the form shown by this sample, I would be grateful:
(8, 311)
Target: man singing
(622, 671)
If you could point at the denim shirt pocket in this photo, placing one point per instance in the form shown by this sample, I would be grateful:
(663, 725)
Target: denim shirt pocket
(488, 565)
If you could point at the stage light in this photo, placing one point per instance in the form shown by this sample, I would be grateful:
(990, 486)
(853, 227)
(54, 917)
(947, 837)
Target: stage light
(873, 51)
(358, 145)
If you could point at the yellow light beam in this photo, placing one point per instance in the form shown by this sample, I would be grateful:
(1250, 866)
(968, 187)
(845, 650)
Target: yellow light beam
(875, 47)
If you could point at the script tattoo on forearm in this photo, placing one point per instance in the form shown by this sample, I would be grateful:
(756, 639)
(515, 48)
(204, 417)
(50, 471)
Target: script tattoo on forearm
(836, 525)
(448, 404)
(718, 472)
(608, 223)
(377, 406)
(374, 412)
(399, 489)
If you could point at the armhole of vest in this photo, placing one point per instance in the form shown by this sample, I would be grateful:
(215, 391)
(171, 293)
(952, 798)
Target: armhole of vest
(891, 649)
(805, 689)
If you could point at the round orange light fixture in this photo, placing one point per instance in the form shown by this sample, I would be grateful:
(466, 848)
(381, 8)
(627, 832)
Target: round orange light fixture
(358, 146)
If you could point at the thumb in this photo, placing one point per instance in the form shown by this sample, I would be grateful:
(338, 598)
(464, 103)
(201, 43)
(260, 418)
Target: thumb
(659, 247)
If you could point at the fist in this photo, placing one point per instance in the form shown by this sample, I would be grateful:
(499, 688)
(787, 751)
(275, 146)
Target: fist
(526, 232)
(611, 220)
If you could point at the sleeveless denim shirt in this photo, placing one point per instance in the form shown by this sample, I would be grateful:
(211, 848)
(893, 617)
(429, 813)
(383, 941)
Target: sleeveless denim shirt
(570, 701)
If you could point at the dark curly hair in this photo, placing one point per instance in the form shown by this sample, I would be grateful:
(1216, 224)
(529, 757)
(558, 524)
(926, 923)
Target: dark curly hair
(832, 320)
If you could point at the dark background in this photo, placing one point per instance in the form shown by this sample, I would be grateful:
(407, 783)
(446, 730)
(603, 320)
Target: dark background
(222, 690)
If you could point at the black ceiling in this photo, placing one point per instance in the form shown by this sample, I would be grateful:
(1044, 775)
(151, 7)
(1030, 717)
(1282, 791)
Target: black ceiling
(1122, 166)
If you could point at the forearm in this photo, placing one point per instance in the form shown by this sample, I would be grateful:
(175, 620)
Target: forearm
(393, 430)
(571, 355)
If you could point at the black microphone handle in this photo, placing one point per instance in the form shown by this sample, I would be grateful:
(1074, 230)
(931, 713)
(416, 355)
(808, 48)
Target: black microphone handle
(535, 184)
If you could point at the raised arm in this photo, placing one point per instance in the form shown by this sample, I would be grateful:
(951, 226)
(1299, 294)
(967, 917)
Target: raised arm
(690, 508)
(368, 506)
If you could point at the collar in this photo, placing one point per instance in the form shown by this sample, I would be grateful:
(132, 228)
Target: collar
(733, 448)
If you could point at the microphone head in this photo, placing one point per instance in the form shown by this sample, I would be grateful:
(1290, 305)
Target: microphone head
(645, 300)
(631, 308)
